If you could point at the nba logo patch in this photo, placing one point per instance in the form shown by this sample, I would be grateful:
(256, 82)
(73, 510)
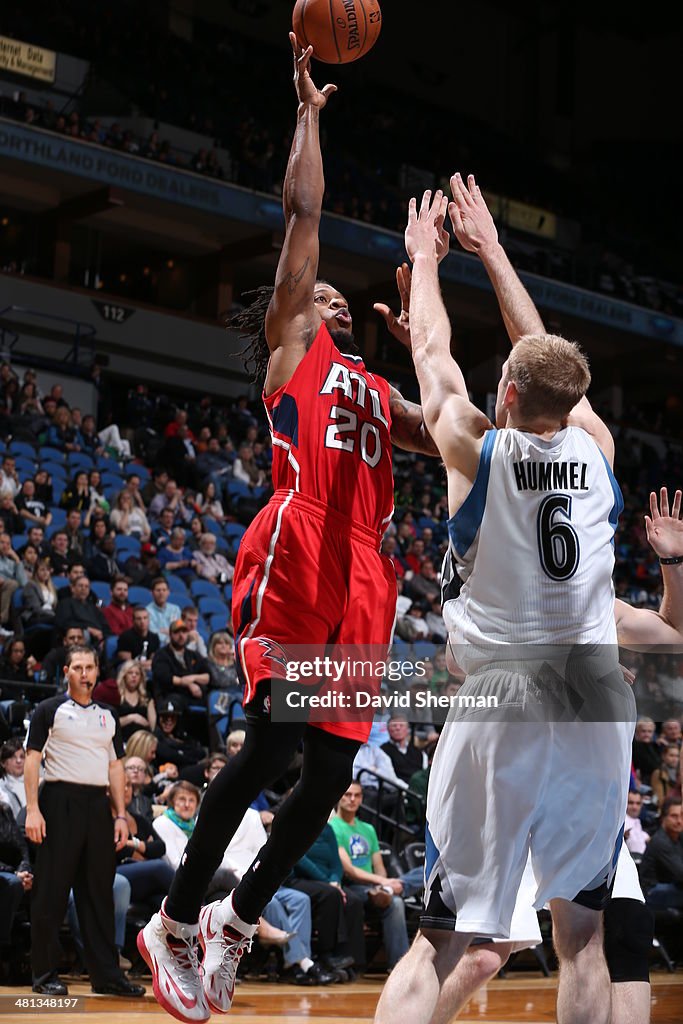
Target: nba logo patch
(266, 705)
(103, 721)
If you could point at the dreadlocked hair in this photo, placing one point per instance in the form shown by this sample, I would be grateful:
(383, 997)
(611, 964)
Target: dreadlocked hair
(250, 323)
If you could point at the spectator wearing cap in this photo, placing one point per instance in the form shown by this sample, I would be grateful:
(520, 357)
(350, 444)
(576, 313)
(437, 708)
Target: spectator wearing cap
(209, 564)
(174, 745)
(12, 576)
(78, 610)
(119, 611)
(161, 612)
(138, 643)
(178, 673)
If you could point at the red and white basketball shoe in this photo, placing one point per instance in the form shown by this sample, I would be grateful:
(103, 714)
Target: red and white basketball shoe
(169, 949)
(224, 937)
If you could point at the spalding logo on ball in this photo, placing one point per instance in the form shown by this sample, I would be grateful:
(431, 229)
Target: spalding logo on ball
(338, 30)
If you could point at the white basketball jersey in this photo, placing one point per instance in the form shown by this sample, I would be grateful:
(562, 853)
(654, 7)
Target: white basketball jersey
(533, 544)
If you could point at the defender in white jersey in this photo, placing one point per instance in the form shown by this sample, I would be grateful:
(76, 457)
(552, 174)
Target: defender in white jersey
(492, 796)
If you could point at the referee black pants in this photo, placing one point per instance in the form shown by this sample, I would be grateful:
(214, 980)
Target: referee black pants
(77, 853)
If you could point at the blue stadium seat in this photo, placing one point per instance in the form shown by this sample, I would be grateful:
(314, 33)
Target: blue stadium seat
(79, 460)
(218, 623)
(111, 491)
(52, 528)
(105, 464)
(58, 516)
(48, 454)
(424, 649)
(237, 489)
(112, 480)
(18, 541)
(234, 531)
(22, 448)
(59, 582)
(203, 588)
(222, 547)
(25, 464)
(139, 595)
(110, 645)
(227, 591)
(212, 526)
(209, 606)
(178, 588)
(126, 545)
(101, 590)
(141, 471)
(17, 598)
(57, 472)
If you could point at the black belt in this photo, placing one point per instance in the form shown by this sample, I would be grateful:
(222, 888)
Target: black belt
(76, 785)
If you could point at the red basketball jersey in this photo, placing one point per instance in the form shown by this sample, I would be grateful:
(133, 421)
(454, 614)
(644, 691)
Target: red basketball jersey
(330, 426)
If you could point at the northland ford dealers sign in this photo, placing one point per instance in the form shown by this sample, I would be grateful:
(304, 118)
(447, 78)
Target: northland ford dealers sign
(27, 59)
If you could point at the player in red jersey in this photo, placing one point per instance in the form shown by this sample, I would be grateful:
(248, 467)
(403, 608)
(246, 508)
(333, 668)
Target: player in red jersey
(308, 571)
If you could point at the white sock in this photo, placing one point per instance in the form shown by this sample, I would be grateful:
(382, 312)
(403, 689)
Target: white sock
(305, 964)
(232, 919)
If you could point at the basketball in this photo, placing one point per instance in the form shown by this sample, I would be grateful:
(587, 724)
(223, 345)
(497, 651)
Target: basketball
(339, 31)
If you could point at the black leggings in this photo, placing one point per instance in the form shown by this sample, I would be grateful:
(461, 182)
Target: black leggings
(267, 751)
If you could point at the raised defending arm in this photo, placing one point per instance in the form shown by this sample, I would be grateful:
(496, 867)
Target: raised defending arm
(452, 420)
(476, 231)
(641, 628)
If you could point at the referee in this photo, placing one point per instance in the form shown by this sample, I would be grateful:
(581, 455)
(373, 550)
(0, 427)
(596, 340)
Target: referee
(71, 823)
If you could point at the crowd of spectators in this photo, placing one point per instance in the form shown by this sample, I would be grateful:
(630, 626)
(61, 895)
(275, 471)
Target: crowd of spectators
(124, 536)
(199, 85)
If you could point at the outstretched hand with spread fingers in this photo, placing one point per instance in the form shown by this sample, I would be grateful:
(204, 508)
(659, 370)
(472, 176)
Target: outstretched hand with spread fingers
(470, 216)
(425, 233)
(305, 87)
(665, 530)
(399, 326)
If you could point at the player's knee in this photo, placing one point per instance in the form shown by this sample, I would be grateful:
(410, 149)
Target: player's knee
(581, 935)
(629, 930)
(486, 961)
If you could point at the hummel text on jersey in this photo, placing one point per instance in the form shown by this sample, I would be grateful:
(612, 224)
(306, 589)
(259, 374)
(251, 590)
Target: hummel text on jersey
(550, 476)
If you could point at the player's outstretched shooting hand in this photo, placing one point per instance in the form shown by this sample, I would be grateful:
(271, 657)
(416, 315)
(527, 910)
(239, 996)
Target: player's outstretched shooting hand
(399, 326)
(425, 233)
(305, 87)
(665, 529)
(470, 216)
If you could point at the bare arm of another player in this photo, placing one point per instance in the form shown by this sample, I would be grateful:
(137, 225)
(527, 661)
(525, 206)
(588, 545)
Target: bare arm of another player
(641, 628)
(456, 425)
(408, 428)
(290, 320)
(475, 229)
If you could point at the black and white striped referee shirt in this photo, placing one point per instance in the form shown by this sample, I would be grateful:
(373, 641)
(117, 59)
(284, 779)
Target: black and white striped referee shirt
(79, 741)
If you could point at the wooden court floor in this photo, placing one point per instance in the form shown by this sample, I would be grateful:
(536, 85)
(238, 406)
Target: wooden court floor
(527, 999)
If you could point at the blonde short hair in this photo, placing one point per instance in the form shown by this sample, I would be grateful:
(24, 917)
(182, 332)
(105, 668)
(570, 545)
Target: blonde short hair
(551, 375)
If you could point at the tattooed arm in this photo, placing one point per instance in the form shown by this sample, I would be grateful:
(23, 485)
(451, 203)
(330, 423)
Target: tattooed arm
(408, 430)
(291, 319)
